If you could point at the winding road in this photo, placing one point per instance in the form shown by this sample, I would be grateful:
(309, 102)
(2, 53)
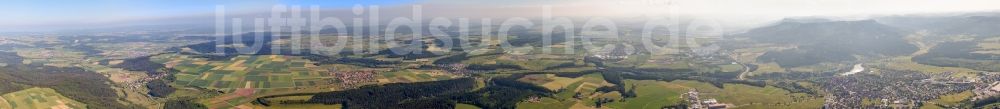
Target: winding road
(746, 70)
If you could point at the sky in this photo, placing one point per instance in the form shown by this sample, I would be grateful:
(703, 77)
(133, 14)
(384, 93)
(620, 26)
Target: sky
(20, 14)
(43, 13)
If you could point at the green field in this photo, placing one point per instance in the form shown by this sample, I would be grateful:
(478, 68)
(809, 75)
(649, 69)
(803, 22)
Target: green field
(651, 95)
(38, 98)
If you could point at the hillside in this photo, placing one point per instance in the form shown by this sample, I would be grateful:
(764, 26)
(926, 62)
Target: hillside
(830, 41)
(975, 24)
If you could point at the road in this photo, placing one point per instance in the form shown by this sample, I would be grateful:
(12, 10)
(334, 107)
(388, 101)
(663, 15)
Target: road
(746, 70)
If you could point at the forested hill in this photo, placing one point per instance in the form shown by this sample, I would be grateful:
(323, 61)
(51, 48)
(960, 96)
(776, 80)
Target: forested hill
(976, 24)
(960, 54)
(833, 40)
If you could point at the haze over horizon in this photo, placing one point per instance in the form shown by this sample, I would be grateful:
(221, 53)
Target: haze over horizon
(70, 14)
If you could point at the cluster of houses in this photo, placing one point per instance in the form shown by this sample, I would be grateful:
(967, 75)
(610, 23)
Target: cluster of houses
(697, 103)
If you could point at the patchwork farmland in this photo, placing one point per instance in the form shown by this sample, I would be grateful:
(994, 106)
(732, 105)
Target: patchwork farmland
(571, 93)
(247, 72)
(38, 98)
(246, 77)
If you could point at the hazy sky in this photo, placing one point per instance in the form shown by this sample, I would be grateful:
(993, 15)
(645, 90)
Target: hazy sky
(42, 13)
